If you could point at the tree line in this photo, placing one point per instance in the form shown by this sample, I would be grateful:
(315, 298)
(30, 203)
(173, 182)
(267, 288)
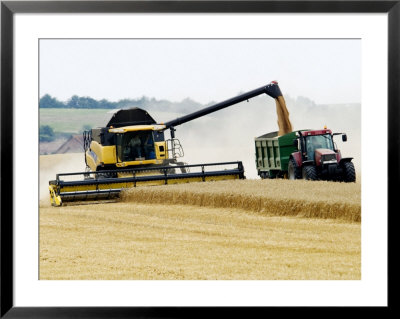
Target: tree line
(79, 102)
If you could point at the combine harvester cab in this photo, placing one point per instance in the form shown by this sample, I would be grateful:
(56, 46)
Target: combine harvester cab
(304, 154)
(131, 139)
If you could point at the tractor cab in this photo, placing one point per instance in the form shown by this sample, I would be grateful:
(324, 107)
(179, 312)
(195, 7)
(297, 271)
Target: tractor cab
(318, 145)
(314, 143)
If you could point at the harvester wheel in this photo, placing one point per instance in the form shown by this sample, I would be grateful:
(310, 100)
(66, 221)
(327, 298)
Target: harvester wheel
(310, 173)
(349, 173)
(293, 170)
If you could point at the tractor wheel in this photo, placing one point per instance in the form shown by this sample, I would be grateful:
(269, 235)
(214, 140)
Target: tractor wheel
(349, 173)
(310, 173)
(293, 170)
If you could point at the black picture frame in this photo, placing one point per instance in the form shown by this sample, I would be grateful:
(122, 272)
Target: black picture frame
(9, 8)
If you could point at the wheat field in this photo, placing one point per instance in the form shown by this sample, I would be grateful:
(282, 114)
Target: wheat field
(319, 199)
(226, 230)
(144, 241)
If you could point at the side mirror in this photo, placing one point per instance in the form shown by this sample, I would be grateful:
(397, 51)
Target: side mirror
(296, 143)
(344, 138)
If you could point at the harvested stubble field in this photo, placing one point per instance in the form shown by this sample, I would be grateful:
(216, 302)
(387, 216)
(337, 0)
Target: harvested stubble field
(217, 230)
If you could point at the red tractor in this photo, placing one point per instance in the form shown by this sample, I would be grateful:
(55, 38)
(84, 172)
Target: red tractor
(318, 158)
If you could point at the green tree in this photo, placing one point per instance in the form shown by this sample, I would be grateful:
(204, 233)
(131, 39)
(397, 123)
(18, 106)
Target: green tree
(46, 133)
(105, 104)
(87, 103)
(47, 101)
(73, 102)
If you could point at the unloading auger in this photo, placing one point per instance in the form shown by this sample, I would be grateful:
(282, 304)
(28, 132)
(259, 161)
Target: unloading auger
(131, 151)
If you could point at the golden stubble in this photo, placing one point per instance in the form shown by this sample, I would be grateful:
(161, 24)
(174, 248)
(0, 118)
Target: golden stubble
(243, 229)
(128, 240)
(299, 198)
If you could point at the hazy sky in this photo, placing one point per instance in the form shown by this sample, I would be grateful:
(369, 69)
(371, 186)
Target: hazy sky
(326, 71)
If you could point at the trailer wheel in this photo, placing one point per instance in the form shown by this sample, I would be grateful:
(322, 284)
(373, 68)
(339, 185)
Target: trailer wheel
(310, 173)
(293, 170)
(349, 172)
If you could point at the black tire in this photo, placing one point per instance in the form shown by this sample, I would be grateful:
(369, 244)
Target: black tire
(349, 172)
(293, 170)
(310, 173)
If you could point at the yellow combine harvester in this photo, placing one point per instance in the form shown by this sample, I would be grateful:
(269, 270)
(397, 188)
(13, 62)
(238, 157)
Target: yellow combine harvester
(131, 151)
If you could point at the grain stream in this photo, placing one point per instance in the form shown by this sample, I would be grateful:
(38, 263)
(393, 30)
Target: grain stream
(284, 124)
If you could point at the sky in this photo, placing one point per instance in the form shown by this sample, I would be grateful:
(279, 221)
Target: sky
(327, 71)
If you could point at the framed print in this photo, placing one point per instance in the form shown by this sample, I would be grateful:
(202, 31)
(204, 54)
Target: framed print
(264, 134)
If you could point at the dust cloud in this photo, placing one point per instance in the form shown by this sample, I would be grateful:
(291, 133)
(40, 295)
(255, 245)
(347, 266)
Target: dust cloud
(50, 165)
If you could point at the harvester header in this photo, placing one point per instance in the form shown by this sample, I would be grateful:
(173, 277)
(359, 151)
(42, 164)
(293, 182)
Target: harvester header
(94, 186)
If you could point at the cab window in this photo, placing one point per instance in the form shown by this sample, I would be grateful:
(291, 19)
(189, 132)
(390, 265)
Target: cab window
(318, 141)
(136, 146)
